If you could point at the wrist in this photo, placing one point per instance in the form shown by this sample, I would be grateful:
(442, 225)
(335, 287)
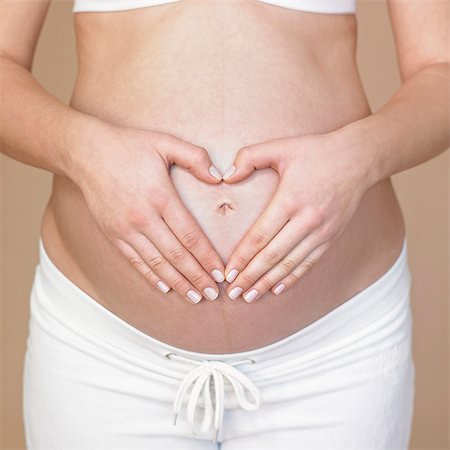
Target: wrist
(82, 134)
(355, 138)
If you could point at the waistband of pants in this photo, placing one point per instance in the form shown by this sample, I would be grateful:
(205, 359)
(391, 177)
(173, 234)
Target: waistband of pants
(357, 314)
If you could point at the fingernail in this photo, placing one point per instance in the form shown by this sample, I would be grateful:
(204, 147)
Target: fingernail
(215, 173)
(211, 293)
(232, 274)
(229, 172)
(218, 275)
(251, 295)
(235, 293)
(279, 289)
(194, 296)
(163, 286)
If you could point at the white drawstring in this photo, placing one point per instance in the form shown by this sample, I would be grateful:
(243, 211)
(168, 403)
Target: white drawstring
(200, 377)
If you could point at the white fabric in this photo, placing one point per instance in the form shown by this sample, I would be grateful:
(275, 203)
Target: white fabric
(319, 6)
(92, 381)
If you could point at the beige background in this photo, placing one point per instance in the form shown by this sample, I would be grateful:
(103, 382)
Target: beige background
(423, 193)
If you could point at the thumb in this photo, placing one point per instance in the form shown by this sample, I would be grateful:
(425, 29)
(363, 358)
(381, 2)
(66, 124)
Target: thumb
(191, 157)
(250, 158)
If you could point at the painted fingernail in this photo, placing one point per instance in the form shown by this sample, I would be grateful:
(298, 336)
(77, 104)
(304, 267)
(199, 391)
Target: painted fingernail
(163, 286)
(218, 275)
(194, 296)
(215, 173)
(232, 274)
(279, 289)
(251, 295)
(229, 172)
(235, 293)
(211, 293)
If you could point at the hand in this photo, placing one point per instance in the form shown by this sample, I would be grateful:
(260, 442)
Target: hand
(124, 176)
(321, 183)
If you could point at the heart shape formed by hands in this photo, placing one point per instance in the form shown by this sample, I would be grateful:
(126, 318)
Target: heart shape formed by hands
(128, 189)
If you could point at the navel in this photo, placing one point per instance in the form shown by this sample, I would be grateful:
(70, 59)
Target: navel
(226, 207)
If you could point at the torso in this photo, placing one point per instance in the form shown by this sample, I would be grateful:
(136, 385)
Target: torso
(221, 74)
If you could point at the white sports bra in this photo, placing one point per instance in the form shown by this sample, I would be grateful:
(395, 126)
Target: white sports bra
(318, 6)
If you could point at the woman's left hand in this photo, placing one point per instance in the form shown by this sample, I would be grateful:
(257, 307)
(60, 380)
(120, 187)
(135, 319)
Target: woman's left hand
(322, 180)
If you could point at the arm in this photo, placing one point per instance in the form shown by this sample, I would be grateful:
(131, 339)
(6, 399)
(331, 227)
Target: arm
(123, 173)
(318, 193)
(37, 129)
(413, 126)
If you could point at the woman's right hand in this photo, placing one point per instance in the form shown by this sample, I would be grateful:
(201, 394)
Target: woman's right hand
(123, 174)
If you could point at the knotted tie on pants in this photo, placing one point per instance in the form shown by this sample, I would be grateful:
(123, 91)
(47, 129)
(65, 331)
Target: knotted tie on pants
(201, 377)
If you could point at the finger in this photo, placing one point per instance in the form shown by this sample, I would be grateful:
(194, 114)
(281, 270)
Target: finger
(305, 265)
(162, 268)
(190, 235)
(269, 223)
(286, 240)
(189, 156)
(183, 261)
(250, 158)
(136, 261)
(294, 265)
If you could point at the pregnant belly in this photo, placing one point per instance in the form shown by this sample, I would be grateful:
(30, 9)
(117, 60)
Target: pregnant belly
(275, 77)
(360, 255)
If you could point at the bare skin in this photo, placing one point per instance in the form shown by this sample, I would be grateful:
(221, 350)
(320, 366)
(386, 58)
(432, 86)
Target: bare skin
(235, 100)
(220, 76)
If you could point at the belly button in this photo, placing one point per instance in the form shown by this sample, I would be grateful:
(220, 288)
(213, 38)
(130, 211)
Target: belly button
(225, 207)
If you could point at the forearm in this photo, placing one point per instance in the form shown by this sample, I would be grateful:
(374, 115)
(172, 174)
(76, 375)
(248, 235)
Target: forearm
(410, 129)
(36, 128)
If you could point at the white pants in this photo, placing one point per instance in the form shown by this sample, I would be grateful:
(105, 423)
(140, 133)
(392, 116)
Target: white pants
(92, 381)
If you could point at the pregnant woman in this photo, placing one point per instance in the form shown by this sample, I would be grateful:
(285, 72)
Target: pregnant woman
(223, 250)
